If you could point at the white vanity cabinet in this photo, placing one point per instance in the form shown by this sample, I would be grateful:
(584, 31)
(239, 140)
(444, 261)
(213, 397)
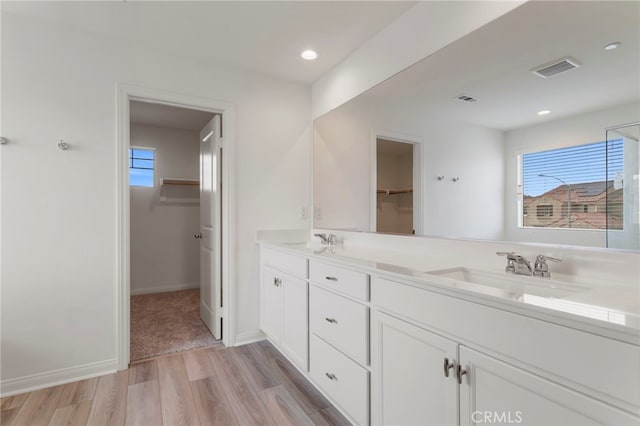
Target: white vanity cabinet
(430, 365)
(391, 348)
(284, 304)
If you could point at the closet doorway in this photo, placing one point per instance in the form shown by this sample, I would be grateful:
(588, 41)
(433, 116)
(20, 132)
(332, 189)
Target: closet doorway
(396, 176)
(175, 220)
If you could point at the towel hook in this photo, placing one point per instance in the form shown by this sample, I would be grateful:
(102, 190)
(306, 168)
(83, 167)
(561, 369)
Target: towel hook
(62, 145)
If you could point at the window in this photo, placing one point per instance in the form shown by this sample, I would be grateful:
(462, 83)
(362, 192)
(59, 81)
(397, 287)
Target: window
(544, 210)
(578, 181)
(141, 166)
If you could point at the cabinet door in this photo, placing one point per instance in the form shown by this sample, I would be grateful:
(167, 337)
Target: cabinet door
(408, 382)
(496, 392)
(295, 330)
(271, 315)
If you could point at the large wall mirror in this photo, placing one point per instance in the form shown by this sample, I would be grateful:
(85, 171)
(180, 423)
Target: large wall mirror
(525, 130)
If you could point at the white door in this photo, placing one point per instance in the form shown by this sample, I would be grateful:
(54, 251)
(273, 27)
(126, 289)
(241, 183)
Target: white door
(408, 382)
(210, 227)
(271, 312)
(494, 392)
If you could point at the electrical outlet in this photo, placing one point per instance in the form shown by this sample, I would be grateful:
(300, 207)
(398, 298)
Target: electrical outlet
(317, 213)
(303, 212)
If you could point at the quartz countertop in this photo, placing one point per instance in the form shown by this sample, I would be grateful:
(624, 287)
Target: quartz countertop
(610, 310)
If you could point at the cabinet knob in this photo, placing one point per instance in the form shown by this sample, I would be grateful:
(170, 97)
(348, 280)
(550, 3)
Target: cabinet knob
(198, 235)
(459, 373)
(277, 281)
(331, 278)
(331, 320)
(331, 376)
(448, 366)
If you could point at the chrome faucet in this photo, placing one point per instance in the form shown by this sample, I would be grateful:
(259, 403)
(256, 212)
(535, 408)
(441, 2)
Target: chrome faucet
(329, 239)
(517, 264)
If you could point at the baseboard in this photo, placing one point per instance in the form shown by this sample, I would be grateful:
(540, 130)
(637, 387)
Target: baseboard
(250, 337)
(163, 289)
(56, 377)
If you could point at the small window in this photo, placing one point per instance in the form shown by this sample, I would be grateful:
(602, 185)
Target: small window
(545, 210)
(141, 167)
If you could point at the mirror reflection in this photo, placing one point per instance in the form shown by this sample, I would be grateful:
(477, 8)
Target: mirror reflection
(521, 131)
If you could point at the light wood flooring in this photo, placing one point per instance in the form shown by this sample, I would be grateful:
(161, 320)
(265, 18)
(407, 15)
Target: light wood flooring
(247, 385)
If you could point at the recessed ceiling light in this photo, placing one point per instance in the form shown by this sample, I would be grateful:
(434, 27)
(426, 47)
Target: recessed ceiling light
(309, 55)
(544, 112)
(612, 46)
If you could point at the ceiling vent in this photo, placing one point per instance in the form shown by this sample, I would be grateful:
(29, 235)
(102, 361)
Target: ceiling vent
(556, 67)
(467, 98)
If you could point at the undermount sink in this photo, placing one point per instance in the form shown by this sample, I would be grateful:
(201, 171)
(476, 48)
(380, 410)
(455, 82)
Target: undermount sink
(511, 283)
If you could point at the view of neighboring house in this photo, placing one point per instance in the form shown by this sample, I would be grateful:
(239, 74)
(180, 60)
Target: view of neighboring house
(594, 205)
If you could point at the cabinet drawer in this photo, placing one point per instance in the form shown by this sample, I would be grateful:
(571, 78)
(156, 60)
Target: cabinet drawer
(352, 283)
(344, 380)
(286, 262)
(341, 322)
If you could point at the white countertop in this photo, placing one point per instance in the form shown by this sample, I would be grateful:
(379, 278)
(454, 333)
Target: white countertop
(610, 310)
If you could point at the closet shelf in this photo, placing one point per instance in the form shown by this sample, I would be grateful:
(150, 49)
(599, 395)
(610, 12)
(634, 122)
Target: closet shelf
(391, 191)
(186, 182)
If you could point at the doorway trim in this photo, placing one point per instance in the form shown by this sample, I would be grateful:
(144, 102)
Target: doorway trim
(418, 173)
(125, 94)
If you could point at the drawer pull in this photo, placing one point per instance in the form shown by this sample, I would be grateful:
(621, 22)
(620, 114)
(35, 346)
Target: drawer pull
(331, 320)
(448, 366)
(277, 281)
(459, 373)
(331, 376)
(331, 278)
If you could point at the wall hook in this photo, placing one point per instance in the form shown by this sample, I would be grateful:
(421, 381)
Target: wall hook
(455, 179)
(63, 145)
(3, 140)
(440, 177)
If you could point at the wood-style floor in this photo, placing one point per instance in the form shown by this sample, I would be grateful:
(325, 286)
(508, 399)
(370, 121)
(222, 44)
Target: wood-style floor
(247, 385)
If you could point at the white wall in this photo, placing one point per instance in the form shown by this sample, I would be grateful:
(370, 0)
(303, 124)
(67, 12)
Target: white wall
(472, 207)
(59, 207)
(164, 254)
(421, 31)
(563, 132)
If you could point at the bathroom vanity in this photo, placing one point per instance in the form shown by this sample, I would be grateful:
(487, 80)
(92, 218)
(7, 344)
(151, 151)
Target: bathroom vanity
(389, 344)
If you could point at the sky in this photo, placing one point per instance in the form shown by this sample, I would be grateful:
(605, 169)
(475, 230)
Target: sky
(143, 158)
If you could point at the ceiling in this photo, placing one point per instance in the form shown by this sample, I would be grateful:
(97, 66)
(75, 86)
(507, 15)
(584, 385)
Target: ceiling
(168, 116)
(493, 64)
(263, 36)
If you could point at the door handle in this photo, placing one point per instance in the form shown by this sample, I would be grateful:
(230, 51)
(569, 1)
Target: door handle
(198, 235)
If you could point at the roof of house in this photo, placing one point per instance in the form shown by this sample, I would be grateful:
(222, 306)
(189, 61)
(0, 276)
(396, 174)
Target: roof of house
(580, 192)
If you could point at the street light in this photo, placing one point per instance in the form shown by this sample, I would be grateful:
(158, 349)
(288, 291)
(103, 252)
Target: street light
(568, 195)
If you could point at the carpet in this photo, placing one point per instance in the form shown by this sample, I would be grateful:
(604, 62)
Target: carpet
(163, 323)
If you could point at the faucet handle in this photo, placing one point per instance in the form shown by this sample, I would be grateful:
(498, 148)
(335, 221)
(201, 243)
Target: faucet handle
(506, 253)
(540, 268)
(543, 258)
(511, 256)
